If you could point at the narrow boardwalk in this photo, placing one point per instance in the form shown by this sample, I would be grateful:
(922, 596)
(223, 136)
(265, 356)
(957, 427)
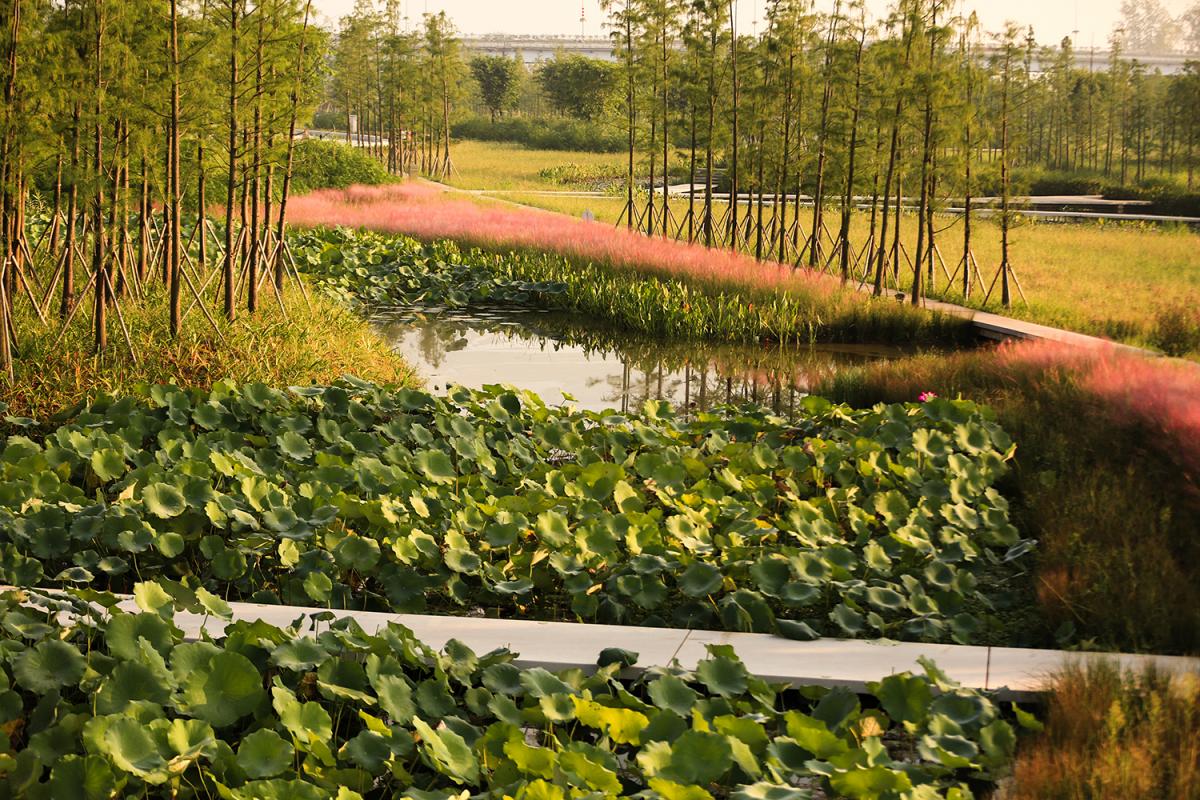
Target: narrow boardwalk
(1013, 673)
(999, 327)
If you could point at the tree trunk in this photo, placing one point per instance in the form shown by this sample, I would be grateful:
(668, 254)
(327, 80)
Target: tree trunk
(176, 188)
(733, 165)
(708, 144)
(256, 173)
(229, 279)
(68, 278)
(1005, 296)
(201, 206)
(848, 197)
(281, 222)
(762, 156)
(814, 249)
(926, 169)
(99, 262)
(781, 192)
(881, 251)
(143, 267)
(666, 110)
(691, 225)
(56, 220)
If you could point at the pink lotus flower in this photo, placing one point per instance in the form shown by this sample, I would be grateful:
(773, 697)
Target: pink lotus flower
(925, 397)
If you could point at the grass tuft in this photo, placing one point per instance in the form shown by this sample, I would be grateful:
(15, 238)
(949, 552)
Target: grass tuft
(307, 346)
(1113, 735)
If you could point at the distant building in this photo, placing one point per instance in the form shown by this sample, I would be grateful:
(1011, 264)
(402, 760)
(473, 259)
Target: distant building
(536, 49)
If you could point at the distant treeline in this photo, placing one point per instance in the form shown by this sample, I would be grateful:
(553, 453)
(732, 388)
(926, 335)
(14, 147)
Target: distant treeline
(832, 106)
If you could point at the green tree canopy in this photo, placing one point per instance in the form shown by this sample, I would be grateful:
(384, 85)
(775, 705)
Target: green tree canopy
(577, 86)
(499, 81)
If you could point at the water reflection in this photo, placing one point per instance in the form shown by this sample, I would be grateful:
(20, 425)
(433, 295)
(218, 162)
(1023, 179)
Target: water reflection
(556, 354)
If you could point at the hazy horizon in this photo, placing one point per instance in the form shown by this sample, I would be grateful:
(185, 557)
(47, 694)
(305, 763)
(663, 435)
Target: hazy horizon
(1052, 20)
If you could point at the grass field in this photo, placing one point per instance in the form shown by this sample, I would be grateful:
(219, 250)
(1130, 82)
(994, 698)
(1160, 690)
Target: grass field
(1137, 284)
(502, 166)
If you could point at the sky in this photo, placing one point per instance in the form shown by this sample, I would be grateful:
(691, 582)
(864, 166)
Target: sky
(1052, 19)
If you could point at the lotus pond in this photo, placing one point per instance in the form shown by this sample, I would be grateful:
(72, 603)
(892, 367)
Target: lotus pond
(840, 521)
(786, 514)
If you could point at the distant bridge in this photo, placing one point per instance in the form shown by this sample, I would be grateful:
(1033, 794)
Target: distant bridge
(536, 49)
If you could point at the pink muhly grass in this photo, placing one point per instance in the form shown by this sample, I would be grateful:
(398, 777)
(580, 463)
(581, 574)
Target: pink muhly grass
(1158, 396)
(1164, 397)
(427, 213)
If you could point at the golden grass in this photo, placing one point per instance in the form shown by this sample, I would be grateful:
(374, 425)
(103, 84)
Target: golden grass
(1114, 736)
(501, 165)
(308, 346)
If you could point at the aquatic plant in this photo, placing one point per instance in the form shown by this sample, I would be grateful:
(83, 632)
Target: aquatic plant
(385, 269)
(845, 522)
(258, 712)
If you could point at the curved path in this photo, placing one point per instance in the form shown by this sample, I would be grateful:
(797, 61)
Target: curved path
(1012, 673)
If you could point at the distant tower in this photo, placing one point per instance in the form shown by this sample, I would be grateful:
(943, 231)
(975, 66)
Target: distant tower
(582, 20)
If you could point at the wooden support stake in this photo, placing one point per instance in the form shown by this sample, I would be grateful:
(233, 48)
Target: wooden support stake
(121, 319)
(80, 297)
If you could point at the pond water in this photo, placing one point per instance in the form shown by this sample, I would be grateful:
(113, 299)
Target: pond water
(558, 355)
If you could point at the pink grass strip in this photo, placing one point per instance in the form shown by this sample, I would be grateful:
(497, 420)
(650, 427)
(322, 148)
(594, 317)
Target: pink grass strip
(428, 213)
(1161, 397)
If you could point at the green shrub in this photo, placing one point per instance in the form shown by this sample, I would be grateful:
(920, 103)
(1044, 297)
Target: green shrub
(1176, 330)
(1166, 196)
(329, 120)
(546, 133)
(321, 164)
(598, 177)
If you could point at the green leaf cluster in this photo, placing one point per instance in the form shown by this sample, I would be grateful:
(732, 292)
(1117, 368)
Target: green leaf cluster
(97, 705)
(844, 522)
(372, 272)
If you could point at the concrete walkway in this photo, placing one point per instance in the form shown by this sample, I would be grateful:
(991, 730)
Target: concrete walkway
(1014, 674)
(999, 327)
